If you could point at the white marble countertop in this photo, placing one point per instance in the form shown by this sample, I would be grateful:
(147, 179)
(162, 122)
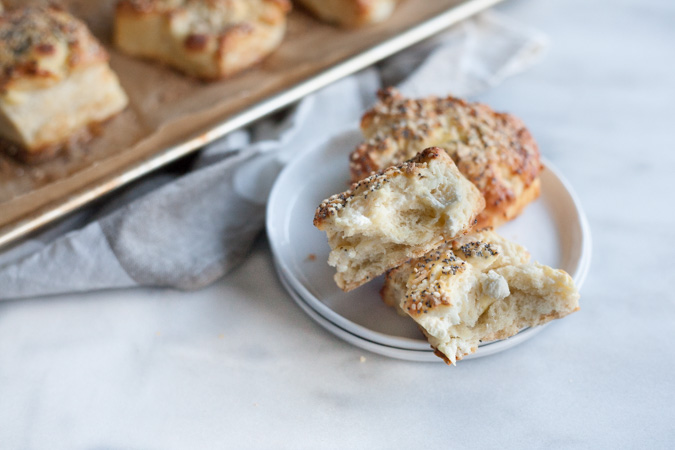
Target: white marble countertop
(239, 365)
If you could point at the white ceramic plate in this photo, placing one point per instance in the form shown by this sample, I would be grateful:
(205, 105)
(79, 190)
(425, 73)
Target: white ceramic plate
(553, 229)
(424, 355)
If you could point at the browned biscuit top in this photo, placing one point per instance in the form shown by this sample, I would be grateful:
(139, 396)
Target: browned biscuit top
(212, 16)
(492, 150)
(44, 44)
(425, 290)
(374, 182)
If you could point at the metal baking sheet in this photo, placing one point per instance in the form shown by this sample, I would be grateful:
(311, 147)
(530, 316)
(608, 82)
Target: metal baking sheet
(313, 55)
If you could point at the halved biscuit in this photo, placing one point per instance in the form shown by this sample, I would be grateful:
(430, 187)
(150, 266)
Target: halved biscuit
(493, 150)
(400, 213)
(54, 81)
(480, 287)
(208, 39)
(350, 13)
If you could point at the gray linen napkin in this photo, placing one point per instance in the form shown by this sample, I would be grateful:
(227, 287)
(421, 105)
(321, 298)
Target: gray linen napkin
(186, 232)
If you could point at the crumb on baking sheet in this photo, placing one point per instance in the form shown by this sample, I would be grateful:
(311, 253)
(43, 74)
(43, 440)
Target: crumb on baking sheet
(362, 359)
(311, 257)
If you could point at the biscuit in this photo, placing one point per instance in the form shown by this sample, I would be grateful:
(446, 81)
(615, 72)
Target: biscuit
(400, 213)
(480, 287)
(350, 13)
(208, 39)
(493, 150)
(54, 82)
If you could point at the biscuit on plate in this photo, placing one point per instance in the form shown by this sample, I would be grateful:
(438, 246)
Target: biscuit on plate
(350, 13)
(493, 150)
(480, 287)
(397, 214)
(54, 82)
(208, 39)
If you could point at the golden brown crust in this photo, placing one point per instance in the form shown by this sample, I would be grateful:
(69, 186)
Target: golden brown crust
(410, 168)
(443, 357)
(493, 150)
(420, 299)
(209, 39)
(169, 6)
(34, 156)
(350, 13)
(50, 151)
(44, 45)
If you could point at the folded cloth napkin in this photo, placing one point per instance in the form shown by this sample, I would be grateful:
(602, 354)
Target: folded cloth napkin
(185, 232)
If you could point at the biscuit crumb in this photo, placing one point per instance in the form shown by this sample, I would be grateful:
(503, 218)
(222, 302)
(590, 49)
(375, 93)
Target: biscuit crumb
(311, 257)
(362, 359)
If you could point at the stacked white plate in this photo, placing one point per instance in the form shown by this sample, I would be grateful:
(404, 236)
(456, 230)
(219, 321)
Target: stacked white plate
(553, 228)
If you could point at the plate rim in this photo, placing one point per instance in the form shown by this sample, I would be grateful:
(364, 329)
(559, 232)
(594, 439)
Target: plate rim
(408, 354)
(416, 355)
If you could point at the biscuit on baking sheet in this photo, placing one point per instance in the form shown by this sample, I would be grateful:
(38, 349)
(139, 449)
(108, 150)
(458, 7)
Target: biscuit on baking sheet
(54, 81)
(493, 150)
(209, 39)
(400, 213)
(350, 13)
(480, 287)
